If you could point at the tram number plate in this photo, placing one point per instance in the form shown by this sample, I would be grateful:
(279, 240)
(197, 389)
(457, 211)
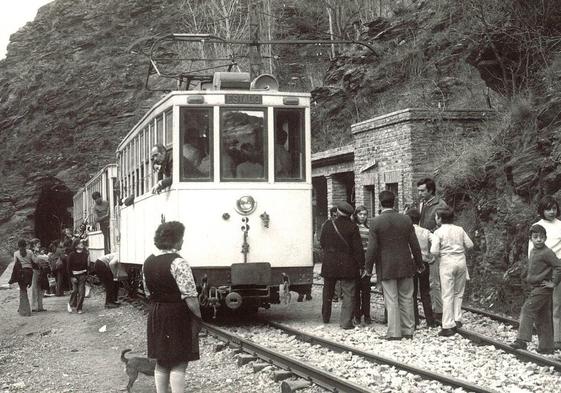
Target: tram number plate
(242, 99)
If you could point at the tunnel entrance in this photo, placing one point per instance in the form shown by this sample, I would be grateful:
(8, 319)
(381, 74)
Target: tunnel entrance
(53, 212)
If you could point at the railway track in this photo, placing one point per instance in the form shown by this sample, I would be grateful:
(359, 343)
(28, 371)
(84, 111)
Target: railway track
(375, 358)
(308, 372)
(330, 380)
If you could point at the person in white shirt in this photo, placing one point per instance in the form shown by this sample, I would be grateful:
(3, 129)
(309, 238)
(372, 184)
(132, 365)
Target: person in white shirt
(449, 246)
(548, 209)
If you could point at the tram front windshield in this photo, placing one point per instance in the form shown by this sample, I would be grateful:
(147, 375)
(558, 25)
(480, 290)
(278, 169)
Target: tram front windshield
(244, 154)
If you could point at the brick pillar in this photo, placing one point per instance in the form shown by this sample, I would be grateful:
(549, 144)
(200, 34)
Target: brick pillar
(336, 190)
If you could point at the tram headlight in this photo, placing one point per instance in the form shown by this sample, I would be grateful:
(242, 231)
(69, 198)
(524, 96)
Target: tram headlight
(246, 205)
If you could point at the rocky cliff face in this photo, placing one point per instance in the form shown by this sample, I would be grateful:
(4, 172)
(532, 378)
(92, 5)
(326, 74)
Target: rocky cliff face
(69, 90)
(499, 55)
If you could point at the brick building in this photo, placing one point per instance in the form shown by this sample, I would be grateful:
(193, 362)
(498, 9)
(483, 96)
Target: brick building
(389, 152)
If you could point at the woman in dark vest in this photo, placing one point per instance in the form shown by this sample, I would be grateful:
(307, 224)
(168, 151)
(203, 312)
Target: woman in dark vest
(173, 320)
(23, 275)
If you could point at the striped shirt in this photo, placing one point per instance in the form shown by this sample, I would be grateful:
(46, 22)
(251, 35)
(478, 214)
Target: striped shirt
(364, 231)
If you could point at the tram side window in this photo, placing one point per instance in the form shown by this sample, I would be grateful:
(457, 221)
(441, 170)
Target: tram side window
(243, 155)
(196, 129)
(289, 145)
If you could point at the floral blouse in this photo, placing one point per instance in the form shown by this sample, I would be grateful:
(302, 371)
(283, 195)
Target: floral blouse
(181, 272)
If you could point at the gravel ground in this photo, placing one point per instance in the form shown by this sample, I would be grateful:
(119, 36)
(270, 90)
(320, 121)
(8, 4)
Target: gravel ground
(58, 352)
(456, 356)
(346, 365)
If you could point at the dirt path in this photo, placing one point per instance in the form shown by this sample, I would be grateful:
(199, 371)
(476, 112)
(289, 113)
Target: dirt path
(58, 352)
(55, 351)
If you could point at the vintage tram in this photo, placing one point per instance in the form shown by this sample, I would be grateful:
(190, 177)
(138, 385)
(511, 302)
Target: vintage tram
(240, 183)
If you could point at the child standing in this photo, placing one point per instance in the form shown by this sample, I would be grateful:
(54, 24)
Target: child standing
(78, 268)
(450, 243)
(362, 299)
(544, 273)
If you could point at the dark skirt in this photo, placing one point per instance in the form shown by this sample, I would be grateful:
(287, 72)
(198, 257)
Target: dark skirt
(171, 335)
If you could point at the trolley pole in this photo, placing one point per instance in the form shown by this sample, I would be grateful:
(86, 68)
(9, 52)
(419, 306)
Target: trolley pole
(255, 60)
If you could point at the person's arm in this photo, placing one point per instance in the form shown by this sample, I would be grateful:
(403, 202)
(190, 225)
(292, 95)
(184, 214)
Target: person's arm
(370, 258)
(435, 246)
(415, 249)
(146, 291)
(468, 244)
(556, 265)
(181, 272)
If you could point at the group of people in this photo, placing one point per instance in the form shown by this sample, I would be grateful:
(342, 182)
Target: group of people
(419, 251)
(65, 267)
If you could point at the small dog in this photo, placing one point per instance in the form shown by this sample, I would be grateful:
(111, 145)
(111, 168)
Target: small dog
(135, 365)
(285, 290)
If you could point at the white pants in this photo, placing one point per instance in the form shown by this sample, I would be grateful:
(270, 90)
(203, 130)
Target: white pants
(453, 274)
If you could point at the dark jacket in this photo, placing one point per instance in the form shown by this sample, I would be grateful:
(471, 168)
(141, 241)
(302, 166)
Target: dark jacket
(428, 220)
(393, 247)
(543, 265)
(77, 261)
(340, 260)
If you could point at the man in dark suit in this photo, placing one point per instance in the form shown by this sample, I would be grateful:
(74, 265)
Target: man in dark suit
(394, 249)
(343, 260)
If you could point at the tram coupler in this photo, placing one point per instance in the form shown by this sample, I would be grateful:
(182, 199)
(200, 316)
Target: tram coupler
(204, 295)
(214, 300)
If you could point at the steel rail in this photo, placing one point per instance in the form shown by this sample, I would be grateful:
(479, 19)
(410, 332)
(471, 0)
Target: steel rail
(523, 355)
(372, 357)
(496, 317)
(320, 377)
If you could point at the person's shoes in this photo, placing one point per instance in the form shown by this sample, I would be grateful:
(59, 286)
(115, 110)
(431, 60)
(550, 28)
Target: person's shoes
(367, 321)
(459, 325)
(347, 327)
(432, 324)
(446, 332)
(308, 297)
(80, 312)
(557, 345)
(42, 309)
(545, 351)
(393, 338)
(111, 305)
(300, 298)
(325, 320)
(68, 308)
(519, 344)
(408, 336)
(356, 321)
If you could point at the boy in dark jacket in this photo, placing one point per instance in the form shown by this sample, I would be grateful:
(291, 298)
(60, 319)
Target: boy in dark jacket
(544, 273)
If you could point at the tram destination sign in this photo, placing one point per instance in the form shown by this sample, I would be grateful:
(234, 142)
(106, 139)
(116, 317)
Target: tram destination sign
(243, 99)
